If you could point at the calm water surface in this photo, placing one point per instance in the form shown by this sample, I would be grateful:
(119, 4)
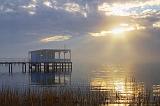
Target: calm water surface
(87, 75)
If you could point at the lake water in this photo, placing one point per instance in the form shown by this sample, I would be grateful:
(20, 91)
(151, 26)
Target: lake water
(84, 75)
(121, 83)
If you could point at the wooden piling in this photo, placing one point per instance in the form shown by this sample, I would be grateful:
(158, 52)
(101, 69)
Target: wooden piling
(40, 66)
(29, 67)
(9, 68)
(25, 68)
(22, 67)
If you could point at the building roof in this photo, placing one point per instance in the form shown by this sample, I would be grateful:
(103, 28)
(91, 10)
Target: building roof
(53, 50)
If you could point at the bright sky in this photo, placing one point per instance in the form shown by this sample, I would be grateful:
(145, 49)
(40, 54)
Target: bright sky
(117, 30)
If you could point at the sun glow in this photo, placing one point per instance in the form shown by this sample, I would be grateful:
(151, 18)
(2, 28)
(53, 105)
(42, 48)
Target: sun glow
(119, 86)
(120, 31)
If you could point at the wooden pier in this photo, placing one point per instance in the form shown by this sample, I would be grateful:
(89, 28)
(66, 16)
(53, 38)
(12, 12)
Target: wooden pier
(45, 60)
(50, 67)
(39, 66)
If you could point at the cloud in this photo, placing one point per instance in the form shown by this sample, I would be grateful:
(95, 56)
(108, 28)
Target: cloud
(48, 4)
(122, 28)
(56, 16)
(74, 8)
(156, 24)
(8, 10)
(76, 18)
(56, 38)
(55, 5)
(31, 7)
(135, 9)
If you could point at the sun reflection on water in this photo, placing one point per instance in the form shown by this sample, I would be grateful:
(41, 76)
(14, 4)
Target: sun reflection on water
(119, 86)
(118, 82)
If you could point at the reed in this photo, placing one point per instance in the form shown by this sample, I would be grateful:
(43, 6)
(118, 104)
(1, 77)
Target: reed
(61, 97)
(70, 97)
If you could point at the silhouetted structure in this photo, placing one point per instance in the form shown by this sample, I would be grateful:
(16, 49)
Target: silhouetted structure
(50, 55)
(49, 60)
(45, 60)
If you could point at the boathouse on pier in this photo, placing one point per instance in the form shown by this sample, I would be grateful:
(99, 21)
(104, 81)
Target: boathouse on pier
(49, 60)
(50, 55)
(44, 60)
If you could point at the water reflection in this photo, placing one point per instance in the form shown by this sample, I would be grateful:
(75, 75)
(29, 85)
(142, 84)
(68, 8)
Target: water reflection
(119, 83)
(53, 78)
(112, 85)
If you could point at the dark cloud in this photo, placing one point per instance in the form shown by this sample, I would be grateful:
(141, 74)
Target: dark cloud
(21, 28)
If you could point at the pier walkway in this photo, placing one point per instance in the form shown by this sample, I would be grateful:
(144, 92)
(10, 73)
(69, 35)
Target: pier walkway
(59, 65)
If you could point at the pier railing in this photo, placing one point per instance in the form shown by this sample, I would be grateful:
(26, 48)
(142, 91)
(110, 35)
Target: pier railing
(38, 66)
(5, 60)
(25, 60)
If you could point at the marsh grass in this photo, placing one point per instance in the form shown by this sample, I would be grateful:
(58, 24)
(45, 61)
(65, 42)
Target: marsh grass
(62, 96)
(47, 97)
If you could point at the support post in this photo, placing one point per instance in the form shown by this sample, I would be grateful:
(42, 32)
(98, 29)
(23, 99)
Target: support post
(52, 67)
(71, 66)
(47, 67)
(40, 67)
(56, 66)
(29, 67)
(44, 67)
(9, 68)
(23, 67)
(62, 67)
